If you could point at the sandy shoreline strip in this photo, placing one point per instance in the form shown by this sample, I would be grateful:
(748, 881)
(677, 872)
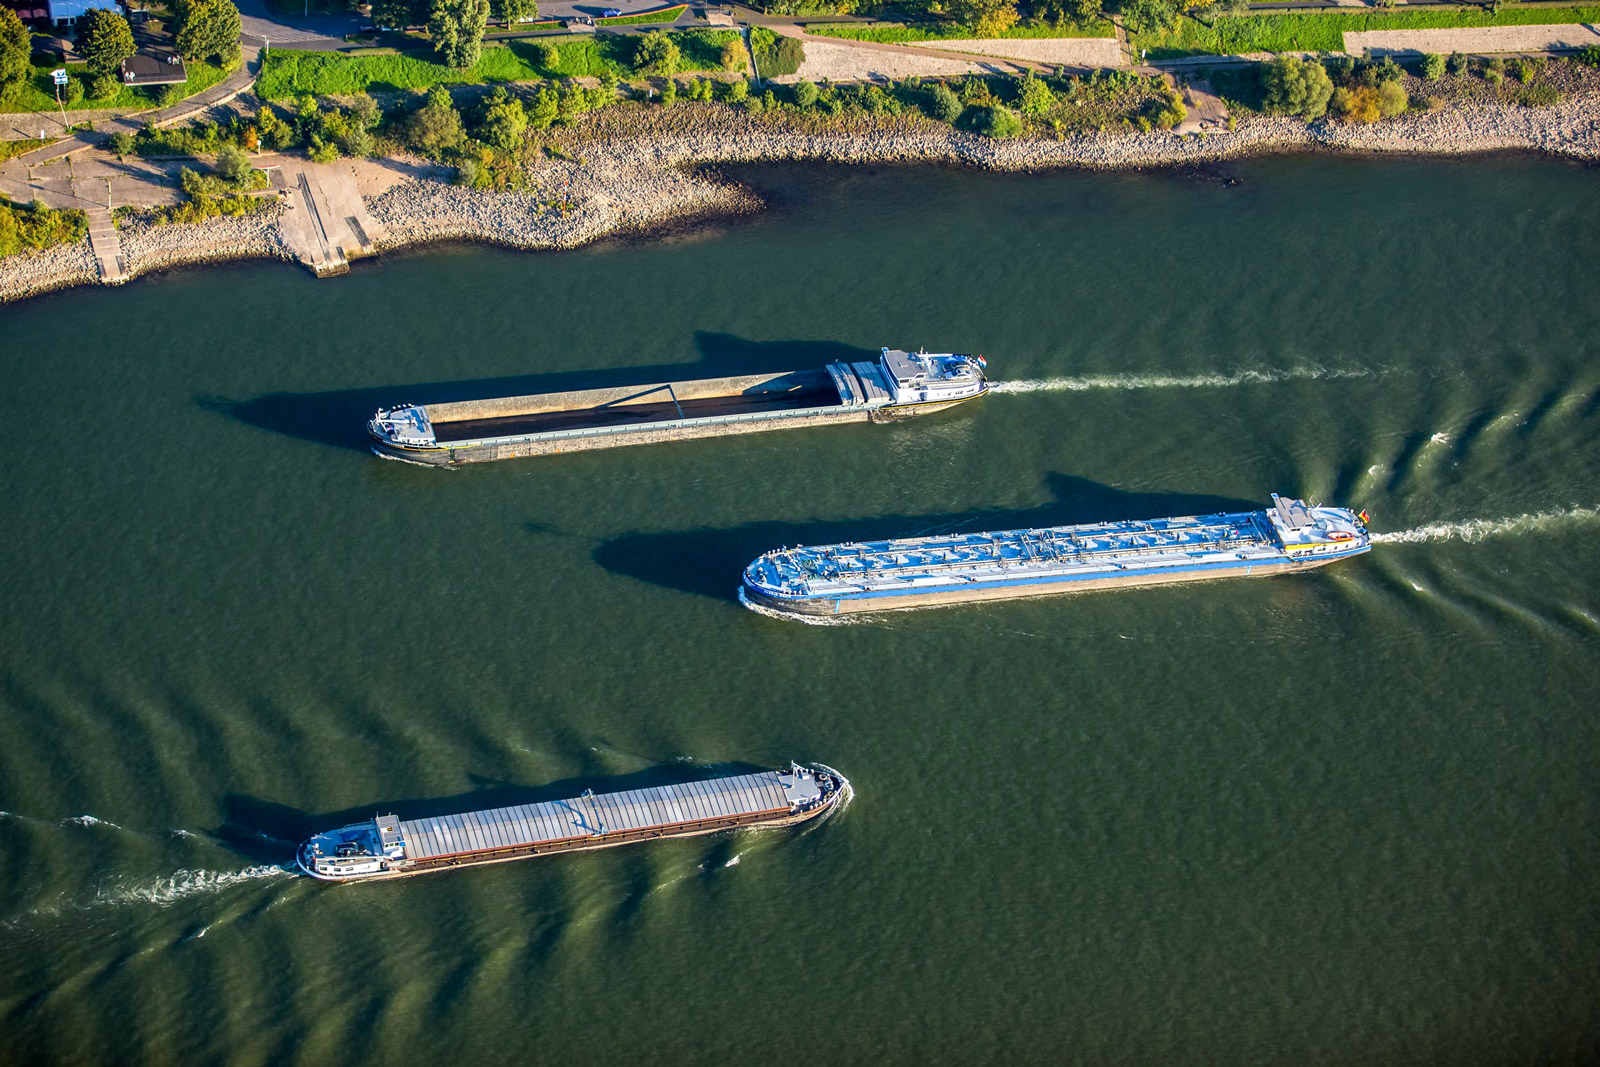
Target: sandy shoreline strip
(639, 173)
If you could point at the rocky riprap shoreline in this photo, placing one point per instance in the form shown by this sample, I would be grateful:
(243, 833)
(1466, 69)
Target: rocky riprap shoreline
(149, 246)
(31, 273)
(637, 170)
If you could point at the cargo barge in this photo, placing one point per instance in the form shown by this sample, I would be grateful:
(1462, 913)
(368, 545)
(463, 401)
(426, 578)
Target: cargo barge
(958, 568)
(898, 385)
(390, 847)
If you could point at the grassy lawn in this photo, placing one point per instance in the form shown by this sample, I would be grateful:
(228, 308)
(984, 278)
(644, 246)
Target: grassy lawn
(39, 93)
(664, 14)
(1324, 31)
(12, 149)
(330, 73)
(900, 34)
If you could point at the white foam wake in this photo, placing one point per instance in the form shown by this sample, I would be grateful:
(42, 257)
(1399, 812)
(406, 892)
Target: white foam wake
(1479, 529)
(1168, 381)
(181, 884)
(795, 616)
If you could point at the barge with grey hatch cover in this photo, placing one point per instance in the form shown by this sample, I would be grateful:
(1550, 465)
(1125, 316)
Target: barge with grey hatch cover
(387, 846)
(897, 385)
(957, 568)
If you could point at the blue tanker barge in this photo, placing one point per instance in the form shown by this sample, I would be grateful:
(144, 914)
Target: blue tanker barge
(389, 847)
(957, 568)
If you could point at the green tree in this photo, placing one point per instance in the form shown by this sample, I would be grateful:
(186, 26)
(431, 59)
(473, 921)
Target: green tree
(504, 121)
(547, 57)
(669, 93)
(1432, 66)
(1392, 99)
(805, 93)
(943, 104)
(1033, 96)
(436, 125)
(364, 112)
(1148, 16)
(16, 56)
(1056, 12)
(656, 53)
(398, 14)
(456, 27)
(513, 11)
(996, 121)
(105, 40)
(207, 29)
(1292, 86)
(546, 106)
(988, 18)
(233, 164)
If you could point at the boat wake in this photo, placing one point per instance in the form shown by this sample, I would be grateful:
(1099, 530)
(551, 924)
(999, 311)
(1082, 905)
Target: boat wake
(1164, 381)
(795, 616)
(183, 884)
(1480, 529)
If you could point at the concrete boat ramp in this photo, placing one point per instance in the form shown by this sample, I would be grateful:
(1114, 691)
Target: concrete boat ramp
(326, 224)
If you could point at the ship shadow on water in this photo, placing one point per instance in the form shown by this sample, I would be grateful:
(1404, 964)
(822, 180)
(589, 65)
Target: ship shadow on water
(339, 418)
(708, 562)
(265, 831)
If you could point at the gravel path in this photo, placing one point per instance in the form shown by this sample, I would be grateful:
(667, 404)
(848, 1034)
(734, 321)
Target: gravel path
(1475, 41)
(1073, 51)
(829, 61)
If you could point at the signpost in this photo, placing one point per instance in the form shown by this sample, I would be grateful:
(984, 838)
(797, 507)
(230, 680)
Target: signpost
(59, 76)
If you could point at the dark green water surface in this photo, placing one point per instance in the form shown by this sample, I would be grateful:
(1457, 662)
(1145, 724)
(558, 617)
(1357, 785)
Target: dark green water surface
(1348, 817)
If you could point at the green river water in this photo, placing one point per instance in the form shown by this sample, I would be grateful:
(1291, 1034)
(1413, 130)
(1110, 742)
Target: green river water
(1346, 817)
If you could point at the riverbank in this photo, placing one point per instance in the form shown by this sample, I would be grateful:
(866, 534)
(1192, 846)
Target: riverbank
(635, 170)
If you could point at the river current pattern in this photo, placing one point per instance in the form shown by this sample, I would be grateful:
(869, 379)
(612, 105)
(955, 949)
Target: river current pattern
(1350, 816)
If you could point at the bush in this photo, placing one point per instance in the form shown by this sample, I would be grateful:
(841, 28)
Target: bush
(233, 165)
(1541, 95)
(1589, 55)
(1167, 109)
(656, 53)
(942, 104)
(1456, 64)
(546, 55)
(1432, 66)
(1291, 86)
(104, 87)
(805, 94)
(1494, 77)
(504, 120)
(1522, 69)
(168, 95)
(736, 91)
(1355, 105)
(732, 56)
(34, 227)
(1034, 96)
(546, 106)
(435, 126)
(669, 93)
(73, 93)
(1392, 99)
(120, 143)
(997, 122)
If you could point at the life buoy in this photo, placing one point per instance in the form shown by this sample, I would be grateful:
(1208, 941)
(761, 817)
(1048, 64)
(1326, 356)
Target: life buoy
(1341, 536)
